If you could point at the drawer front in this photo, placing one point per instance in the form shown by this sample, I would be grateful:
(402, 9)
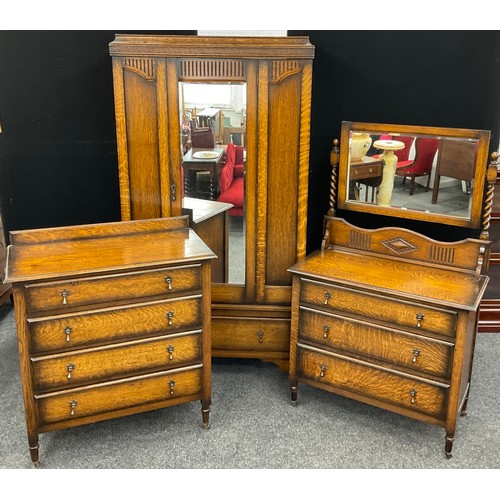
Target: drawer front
(263, 335)
(371, 381)
(92, 365)
(94, 400)
(114, 324)
(128, 286)
(403, 349)
(365, 172)
(396, 312)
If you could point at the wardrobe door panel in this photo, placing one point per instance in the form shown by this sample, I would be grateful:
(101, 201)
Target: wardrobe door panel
(282, 178)
(142, 138)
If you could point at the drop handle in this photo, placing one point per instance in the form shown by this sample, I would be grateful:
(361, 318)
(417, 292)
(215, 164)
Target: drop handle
(170, 315)
(328, 296)
(323, 370)
(260, 334)
(67, 332)
(413, 396)
(72, 407)
(419, 317)
(170, 350)
(416, 354)
(69, 369)
(326, 330)
(171, 385)
(64, 296)
(168, 281)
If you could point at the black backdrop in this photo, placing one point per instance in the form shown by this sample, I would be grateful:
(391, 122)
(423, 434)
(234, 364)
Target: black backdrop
(58, 161)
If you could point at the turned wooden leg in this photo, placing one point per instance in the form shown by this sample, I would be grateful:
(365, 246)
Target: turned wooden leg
(293, 393)
(205, 413)
(34, 450)
(449, 444)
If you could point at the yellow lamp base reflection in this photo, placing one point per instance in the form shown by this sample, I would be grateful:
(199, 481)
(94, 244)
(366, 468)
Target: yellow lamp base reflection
(384, 194)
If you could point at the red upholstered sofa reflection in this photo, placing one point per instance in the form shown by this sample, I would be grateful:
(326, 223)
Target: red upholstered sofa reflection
(231, 181)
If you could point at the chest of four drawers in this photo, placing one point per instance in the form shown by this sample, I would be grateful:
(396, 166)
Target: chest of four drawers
(103, 336)
(112, 319)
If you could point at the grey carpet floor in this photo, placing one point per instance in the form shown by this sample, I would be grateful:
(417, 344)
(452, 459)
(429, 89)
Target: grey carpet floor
(254, 426)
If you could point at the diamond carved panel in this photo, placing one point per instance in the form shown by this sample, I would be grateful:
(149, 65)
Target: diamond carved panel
(399, 245)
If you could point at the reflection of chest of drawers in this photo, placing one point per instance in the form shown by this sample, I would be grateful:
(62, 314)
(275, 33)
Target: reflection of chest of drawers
(385, 330)
(367, 171)
(112, 319)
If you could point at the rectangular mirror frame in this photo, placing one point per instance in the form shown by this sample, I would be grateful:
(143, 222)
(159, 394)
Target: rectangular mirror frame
(483, 138)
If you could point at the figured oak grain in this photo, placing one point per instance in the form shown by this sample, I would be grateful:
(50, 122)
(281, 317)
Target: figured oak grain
(113, 324)
(443, 286)
(407, 350)
(379, 308)
(77, 257)
(372, 381)
(256, 335)
(115, 360)
(116, 395)
(114, 287)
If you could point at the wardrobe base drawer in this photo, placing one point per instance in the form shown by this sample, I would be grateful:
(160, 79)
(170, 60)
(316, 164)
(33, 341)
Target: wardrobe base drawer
(370, 380)
(118, 395)
(255, 334)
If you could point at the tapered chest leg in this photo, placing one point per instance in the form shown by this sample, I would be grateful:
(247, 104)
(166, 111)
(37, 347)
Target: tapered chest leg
(205, 413)
(449, 444)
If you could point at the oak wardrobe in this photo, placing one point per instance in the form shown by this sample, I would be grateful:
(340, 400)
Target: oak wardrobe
(271, 78)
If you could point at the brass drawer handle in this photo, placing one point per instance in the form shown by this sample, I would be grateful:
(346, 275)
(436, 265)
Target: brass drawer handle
(67, 332)
(64, 295)
(260, 334)
(328, 296)
(413, 395)
(323, 370)
(170, 315)
(168, 280)
(72, 407)
(416, 354)
(70, 369)
(420, 317)
(326, 330)
(171, 384)
(170, 350)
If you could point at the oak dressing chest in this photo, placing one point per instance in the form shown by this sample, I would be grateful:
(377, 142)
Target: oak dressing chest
(388, 315)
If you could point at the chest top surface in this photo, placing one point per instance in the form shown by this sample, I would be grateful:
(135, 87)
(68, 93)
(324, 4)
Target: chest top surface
(80, 250)
(401, 263)
(397, 278)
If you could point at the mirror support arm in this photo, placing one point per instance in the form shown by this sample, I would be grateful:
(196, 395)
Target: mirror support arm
(491, 176)
(334, 162)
